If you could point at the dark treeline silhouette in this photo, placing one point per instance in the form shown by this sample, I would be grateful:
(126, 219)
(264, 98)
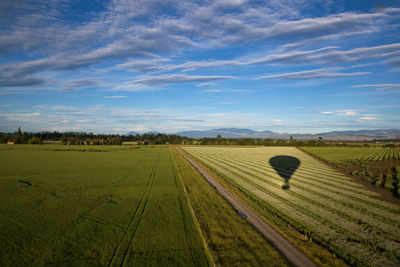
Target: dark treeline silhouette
(83, 138)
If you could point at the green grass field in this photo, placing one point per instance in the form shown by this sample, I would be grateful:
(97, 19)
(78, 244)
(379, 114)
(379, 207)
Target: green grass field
(97, 206)
(323, 204)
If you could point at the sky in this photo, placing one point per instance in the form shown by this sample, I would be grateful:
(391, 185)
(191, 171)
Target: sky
(292, 66)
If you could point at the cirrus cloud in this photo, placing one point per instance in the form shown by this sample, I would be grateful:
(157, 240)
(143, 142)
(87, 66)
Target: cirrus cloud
(162, 80)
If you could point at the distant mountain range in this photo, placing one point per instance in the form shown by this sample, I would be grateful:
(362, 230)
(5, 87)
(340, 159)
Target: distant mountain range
(132, 133)
(332, 136)
(359, 135)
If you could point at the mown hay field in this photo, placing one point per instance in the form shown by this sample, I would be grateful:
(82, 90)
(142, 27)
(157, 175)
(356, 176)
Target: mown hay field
(325, 205)
(94, 206)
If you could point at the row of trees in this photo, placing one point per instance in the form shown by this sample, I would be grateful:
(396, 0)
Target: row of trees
(258, 142)
(83, 138)
(21, 138)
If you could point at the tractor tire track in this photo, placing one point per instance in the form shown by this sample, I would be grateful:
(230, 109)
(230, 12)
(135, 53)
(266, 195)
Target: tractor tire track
(186, 231)
(143, 199)
(136, 225)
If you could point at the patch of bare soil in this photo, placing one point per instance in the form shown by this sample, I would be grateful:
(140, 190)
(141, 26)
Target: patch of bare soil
(368, 173)
(369, 176)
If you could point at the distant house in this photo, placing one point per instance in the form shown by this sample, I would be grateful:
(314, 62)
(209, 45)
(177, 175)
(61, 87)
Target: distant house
(10, 143)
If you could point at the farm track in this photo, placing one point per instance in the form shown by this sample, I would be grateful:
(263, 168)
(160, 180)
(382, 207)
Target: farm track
(134, 223)
(292, 254)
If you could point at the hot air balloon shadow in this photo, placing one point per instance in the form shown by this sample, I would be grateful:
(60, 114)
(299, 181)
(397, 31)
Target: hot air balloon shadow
(285, 166)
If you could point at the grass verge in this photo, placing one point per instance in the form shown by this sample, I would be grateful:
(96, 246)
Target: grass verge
(231, 241)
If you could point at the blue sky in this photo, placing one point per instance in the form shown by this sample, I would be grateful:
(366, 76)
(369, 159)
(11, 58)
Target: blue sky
(168, 66)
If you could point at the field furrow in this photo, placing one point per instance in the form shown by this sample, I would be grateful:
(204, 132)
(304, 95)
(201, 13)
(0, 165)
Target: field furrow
(320, 198)
(331, 208)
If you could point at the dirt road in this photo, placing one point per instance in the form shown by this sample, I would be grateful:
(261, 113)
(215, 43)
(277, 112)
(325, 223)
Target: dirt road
(292, 254)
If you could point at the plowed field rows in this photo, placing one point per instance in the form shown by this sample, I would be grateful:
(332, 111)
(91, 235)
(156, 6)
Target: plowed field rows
(321, 202)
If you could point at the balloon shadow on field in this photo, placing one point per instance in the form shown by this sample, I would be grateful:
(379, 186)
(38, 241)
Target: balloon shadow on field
(285, 166)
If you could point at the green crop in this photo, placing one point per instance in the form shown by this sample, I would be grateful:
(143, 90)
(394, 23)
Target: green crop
(94, 206)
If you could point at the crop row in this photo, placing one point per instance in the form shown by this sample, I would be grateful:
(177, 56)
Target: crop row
(314, 186)
(338, 155)
(384, 154)
(330, 208)
(379, 166)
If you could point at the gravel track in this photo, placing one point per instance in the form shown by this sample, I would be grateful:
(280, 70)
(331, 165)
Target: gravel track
(292, 254)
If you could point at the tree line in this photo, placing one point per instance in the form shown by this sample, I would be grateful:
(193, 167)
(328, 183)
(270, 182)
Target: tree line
(83, 138)
(259, 141)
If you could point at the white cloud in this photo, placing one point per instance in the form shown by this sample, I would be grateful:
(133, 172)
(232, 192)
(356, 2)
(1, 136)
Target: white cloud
(323, 56)
(134, 31)
(347, 112)
(342, 113)
(140, 128)
(150, 65)
(110, 120)
(380, 86)
(311, 74)
(79, 83)
(16, 115)
(205, 84)
(212, 91)
(368, 118)
(162, 80)
(65, 129)
(327, 113)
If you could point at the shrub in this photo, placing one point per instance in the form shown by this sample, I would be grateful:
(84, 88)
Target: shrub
(379, 180)
(389, 182)
(35, 140)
